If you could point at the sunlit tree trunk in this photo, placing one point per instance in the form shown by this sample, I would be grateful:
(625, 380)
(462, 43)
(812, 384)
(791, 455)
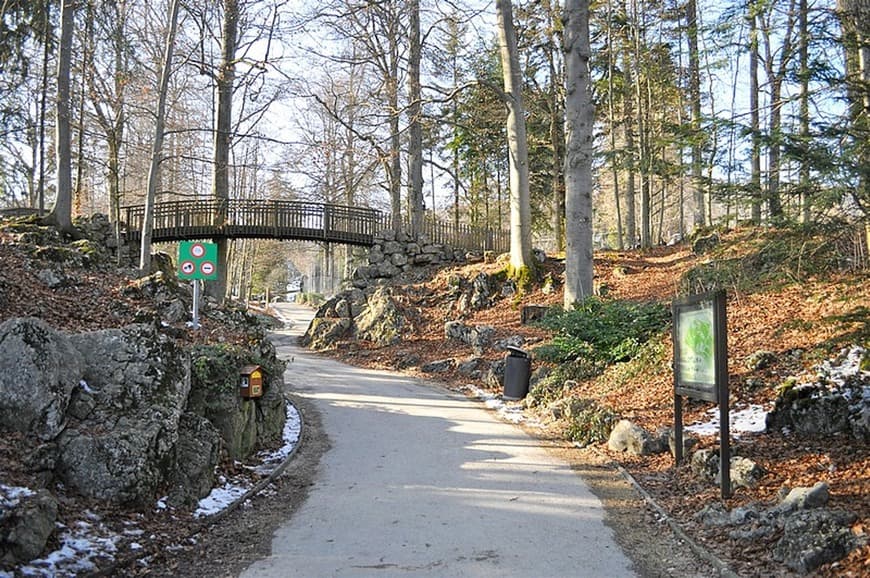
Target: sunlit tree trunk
(61, 214)
(521, 218)
(698, 219)
(415, 130)
(579, 119)
(804, 112)
(754, 115)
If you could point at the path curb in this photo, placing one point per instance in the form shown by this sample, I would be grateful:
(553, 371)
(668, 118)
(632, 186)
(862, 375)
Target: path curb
(724, 570)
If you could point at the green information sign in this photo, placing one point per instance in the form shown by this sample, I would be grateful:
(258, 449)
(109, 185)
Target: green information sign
(700, 339)
(197, 260)
(697, 362)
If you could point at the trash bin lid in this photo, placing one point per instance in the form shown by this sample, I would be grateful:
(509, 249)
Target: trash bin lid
(516, 351)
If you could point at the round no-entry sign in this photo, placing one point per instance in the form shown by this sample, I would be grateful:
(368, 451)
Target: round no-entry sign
(207, 268)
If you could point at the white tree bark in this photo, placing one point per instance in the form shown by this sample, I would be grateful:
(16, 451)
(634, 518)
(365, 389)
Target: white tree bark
(579, 118)
(518, 148)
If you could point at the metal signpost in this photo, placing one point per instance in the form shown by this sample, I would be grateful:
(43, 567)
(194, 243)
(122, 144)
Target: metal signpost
(197, 261)
(701, 368)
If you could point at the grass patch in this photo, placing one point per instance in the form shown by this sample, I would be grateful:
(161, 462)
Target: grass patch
(768, 258)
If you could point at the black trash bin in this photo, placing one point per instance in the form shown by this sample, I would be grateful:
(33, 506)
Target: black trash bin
(517, 369)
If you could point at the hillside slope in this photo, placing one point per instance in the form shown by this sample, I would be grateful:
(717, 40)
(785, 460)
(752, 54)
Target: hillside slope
(796, 299)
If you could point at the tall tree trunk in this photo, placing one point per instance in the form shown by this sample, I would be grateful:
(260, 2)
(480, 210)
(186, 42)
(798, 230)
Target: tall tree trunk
(698, 219)
(630, 150)
(775, 77)
(223, 137)
(611, 121)
(157, 145)
(43, 106)
(556, 140)
(855, 22)
(61, 213)
(415, 130)
(579, 119)
(395, 166)
(754, 114)
(521, 213)
(804, 113)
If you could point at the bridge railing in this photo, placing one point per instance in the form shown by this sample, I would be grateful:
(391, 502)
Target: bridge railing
(177, 220)
(279, 219)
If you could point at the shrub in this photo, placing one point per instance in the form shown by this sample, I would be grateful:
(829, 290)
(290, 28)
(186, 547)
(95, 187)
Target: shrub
(599, 332)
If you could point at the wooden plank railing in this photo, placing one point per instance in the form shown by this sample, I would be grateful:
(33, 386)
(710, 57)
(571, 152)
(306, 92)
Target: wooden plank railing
(238, 218)
(303, 220)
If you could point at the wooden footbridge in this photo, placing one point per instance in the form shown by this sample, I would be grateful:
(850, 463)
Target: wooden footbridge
(300, 220)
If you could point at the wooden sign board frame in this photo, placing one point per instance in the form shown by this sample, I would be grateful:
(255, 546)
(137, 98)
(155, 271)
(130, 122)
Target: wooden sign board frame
(700, 340)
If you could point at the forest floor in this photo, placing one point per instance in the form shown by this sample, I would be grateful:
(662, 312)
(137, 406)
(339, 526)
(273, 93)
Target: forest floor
(817, 315)
(800, 317)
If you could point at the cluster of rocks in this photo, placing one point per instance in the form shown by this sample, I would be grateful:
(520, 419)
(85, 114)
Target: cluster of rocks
(805, 532)
(396, 253)
(835, 402)
(374, 313)
(99, 229)
(119, 416)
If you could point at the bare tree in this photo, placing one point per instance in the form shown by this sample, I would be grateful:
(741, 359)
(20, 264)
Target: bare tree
(157, 145)
(415, 129)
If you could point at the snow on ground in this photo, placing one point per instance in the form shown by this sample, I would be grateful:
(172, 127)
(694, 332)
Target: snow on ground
(835, 373)
(233, 489)
(81, 545)
(508, 412)
(85, 542)
(750, 419)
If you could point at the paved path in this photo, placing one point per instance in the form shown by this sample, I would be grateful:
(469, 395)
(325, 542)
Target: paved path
(423, 482)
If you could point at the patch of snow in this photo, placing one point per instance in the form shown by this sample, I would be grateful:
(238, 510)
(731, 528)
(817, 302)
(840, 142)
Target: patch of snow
(81, 545)
(220, 497)
(748, 420)
(290, 437)
(511, 413)
(85, 387)
(161, 503)
(231, 490)
(10, 496)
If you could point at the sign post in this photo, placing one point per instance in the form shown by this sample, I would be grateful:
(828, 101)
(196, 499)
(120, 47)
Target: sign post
(197, 261)
(701, 368)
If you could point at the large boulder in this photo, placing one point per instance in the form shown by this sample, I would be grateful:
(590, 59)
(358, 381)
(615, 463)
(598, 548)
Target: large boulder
(633, 439)
(120, 446)
(39, 369)
(324, 332)
(381, 321)
(836, 401)
(196, 455)
(27, 519)
(811, 538)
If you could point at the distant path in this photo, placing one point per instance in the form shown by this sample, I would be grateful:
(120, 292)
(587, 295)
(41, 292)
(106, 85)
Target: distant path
(423, 482)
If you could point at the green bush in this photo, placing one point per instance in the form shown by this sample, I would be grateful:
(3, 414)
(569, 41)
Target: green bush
(599, 332)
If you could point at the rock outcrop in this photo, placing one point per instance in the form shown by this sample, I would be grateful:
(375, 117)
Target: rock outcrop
(39, 369)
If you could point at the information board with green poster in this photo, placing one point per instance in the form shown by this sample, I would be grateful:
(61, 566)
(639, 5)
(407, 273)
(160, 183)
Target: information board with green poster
(197, 260)
(701, 368)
